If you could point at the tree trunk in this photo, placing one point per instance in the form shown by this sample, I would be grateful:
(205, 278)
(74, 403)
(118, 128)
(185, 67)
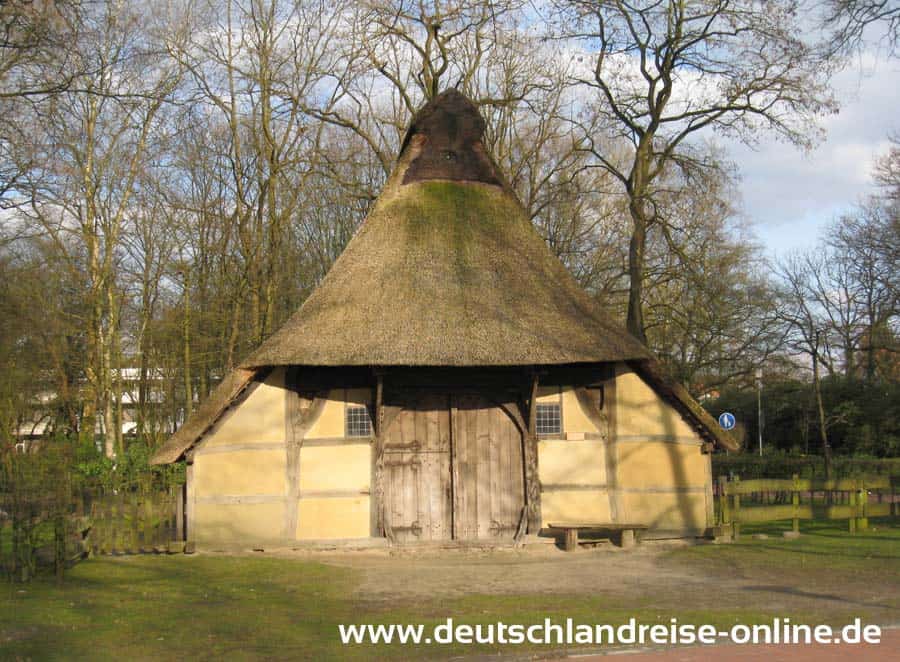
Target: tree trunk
(826, 448)
(635, 318)
(186, 330)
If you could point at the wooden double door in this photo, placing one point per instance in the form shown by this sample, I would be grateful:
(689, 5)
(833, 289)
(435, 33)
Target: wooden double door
(453, 468)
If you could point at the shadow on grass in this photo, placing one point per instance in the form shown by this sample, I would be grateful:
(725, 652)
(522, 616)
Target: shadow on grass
(800, 593)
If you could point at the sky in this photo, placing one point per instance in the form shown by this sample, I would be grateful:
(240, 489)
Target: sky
(791, 196)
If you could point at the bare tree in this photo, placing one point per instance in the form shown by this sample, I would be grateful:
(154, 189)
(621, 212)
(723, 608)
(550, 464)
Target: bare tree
(848, 20)
(35, 63)
(666, 72)
(712, 314)
(396, 55)
(808, 331)
(254, 63)
(97, 134)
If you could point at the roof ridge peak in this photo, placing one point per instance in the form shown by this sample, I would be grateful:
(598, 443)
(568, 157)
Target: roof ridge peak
(444, 141)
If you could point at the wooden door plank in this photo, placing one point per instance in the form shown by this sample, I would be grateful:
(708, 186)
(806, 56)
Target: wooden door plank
(508, 491)
(423, 489)
(454, 468)
(483, 468)
(443, 411)
(470, 476)
(494, 441)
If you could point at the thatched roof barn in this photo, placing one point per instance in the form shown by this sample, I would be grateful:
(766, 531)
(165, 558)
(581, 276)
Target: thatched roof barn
(447, 380)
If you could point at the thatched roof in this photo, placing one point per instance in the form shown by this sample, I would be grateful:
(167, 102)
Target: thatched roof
(447, 270)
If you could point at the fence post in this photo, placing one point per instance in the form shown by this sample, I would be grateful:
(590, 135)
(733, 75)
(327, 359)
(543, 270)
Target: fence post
(893, 498)
(854, 512)
(795, 503)
(724, 509)
(737, 507)
(179, 512)
(115, 523)
(863, 523)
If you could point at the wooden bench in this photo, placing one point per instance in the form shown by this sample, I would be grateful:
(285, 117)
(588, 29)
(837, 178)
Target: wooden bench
(570, 531)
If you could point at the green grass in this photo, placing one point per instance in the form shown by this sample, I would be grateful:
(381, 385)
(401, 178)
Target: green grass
(210, 607)
(824, 548)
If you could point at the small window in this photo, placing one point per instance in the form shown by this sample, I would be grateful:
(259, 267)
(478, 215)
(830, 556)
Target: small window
(548, 419)
(358, 422)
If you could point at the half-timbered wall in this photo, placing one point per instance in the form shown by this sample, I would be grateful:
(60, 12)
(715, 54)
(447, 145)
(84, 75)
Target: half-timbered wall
(573, 465)
(642, 464)
(334, 500)
(238, 482)
(631, 458)
(250, 481)
(664, 478)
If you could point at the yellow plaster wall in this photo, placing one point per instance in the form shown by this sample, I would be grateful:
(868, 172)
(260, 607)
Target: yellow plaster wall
(240, 473)
(215, 522)
(331, 421)
(673, 511)
(258, 419)
(571, 462)
(548, 394)
(335, 467)
(574, 418)
(333, 517)
(659, 464)
(639, 410)
(575, 505)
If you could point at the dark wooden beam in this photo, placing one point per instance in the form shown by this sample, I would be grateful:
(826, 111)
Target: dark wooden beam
(530, 458)
(302, 410)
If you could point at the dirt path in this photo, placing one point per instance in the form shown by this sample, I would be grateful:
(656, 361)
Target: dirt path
(647, 573)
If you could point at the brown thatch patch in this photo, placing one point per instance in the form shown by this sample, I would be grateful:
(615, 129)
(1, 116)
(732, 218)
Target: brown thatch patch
(446, 136)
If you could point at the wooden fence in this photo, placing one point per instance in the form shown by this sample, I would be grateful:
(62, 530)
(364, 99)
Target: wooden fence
(135, 523)
(766, 500)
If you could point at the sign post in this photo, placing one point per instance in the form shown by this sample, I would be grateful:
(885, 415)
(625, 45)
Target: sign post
(726, 420)
(759, 418)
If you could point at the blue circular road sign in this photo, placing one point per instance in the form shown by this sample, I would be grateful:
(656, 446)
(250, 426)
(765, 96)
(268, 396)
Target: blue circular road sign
(726, 420)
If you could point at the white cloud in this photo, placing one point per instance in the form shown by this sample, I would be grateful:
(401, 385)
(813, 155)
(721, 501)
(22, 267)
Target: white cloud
(792, 195)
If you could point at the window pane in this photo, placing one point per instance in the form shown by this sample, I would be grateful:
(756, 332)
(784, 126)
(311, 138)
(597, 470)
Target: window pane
(548, 419)
(358, 422)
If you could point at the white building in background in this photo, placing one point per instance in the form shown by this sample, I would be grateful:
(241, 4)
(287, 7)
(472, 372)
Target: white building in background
(38, 425)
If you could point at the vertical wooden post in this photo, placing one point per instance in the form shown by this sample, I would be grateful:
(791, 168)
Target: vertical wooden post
(455, 508)
(189, 501)
(724, 508)
(795, 502)
(893, 503)
(378, 502)
(532, 480)
(146, 513)
(117, 520)
(736, 483)
(135, 513)
(179, 512)
(851, 498)
(863, 505)
(571, 543)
